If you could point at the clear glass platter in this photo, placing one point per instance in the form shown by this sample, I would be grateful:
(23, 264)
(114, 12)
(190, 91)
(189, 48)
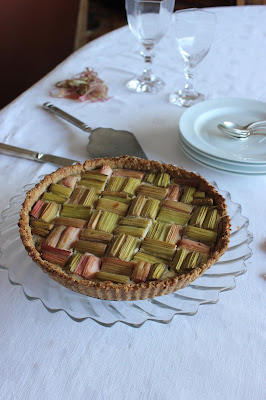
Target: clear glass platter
(37, 285)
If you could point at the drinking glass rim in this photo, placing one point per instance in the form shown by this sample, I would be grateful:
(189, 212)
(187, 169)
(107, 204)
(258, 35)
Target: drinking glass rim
(193, 9)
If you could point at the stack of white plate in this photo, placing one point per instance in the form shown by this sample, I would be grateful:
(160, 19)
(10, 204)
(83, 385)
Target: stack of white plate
(203, 142)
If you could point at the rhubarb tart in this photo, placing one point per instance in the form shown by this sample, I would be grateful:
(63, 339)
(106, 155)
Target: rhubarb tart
(124, 228)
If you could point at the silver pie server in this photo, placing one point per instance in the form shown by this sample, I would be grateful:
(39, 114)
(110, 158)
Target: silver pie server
(103, 142)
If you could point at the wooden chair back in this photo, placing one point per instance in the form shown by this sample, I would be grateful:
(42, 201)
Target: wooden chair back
(250, 2)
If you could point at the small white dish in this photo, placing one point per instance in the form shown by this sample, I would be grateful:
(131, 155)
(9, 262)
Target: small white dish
(198, 126)
(224, 166)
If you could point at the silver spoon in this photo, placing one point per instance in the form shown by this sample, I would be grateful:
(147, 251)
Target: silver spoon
(250, 126)
(236, 135)
(242, 132)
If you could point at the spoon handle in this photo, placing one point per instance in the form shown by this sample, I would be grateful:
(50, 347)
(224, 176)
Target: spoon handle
(256, 125)
(253, 133)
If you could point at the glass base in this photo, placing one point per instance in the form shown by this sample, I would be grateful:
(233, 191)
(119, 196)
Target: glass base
(143, 84)
(184, 98)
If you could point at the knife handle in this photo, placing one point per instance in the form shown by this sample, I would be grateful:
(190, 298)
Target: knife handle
(9, 150)
(55, 110)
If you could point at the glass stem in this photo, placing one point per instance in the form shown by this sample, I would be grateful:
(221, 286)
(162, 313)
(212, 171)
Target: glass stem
(147, 73)
(189, 75)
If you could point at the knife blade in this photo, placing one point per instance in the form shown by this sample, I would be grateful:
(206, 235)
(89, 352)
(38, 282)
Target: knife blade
(34, 155)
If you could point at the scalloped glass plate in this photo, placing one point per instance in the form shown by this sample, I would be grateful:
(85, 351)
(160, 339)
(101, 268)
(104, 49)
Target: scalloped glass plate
(39, 286)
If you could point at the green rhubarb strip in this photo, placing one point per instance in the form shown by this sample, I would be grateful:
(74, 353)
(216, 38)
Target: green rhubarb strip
(211, 219)
(60, 190)
(200, 234)
(48, 196)
(140, 255)
(175, 217)
(107, 276)
(179, 259)
(162, 180)
(188, 195)
(76, 211)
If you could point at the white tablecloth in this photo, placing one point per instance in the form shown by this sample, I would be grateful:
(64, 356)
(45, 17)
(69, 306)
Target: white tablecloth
(218, 353)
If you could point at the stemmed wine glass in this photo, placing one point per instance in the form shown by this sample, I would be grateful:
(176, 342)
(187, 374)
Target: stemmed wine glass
(194, 31)
(148, 20)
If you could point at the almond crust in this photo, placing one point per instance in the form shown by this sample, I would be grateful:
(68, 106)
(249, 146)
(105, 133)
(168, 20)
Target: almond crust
(116, 291)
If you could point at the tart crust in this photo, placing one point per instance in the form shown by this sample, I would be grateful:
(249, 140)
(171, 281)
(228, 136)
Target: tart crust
(107, 290)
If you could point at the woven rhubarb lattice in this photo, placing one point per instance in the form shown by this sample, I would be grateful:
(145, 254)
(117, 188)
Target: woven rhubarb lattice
(124, 228)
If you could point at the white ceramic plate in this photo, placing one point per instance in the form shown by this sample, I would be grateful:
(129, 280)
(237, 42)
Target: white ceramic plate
(198, 126)
(239, 166)
(219, 159)
(224, 166)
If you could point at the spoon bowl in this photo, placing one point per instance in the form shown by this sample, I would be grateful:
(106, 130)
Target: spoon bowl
(234, 127)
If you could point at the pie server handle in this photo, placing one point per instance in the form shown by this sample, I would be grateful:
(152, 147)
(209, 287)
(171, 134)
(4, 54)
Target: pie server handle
(60, 113)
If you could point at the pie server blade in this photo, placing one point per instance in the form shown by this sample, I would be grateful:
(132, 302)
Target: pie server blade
(103, 142)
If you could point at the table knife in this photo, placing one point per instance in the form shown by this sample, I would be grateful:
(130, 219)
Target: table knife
(34, 155)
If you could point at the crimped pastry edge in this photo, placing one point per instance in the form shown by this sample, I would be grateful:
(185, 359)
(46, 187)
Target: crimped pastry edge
(116, 291)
